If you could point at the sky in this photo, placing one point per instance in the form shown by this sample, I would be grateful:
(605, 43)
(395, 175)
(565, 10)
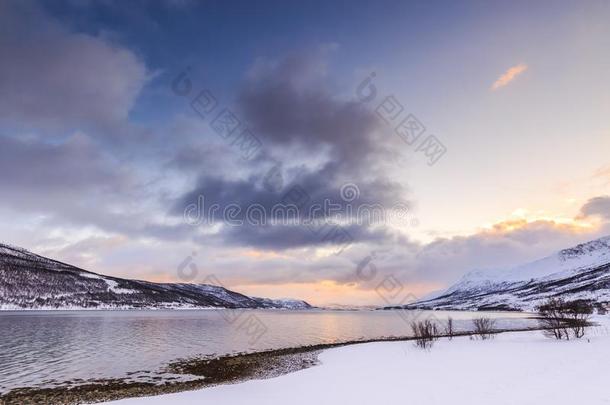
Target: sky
(480, 130)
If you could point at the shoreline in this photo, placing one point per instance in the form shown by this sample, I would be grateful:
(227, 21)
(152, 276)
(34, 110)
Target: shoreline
(512, 368)
(208, 371)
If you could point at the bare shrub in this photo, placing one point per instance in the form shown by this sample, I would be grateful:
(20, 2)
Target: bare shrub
(561, 319)
(425, 332)
(578, 313)
(553, 319)
(484, 327)
(449, 330)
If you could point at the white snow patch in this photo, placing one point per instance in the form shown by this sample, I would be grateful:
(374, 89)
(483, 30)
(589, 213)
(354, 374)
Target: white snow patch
(114, 287)
(90, 275)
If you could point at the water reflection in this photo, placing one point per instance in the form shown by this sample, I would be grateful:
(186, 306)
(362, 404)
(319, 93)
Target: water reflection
(45, 348)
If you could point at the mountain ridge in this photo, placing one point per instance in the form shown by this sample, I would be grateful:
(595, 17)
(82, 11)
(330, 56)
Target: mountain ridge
(32, 281)
(581, 272)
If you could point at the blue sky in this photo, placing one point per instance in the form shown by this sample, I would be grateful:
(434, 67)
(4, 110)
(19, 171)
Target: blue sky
(103, 157)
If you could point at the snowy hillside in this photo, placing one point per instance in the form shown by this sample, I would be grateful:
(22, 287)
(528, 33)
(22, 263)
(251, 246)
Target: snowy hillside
(30, 281)
(581, 272)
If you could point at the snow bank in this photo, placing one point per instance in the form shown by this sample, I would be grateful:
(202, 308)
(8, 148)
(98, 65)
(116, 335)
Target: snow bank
(514, 368)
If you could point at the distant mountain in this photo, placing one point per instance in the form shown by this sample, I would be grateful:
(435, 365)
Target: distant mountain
(578, 273)
(30, 281)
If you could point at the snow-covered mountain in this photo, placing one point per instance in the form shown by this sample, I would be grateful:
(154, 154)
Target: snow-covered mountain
(578, 273)
(30, 281)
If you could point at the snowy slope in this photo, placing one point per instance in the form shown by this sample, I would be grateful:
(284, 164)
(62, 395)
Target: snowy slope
(30, 281)
(581, 272)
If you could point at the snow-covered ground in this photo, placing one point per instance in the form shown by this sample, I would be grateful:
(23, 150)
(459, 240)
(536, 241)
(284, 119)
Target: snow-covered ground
(514, 368)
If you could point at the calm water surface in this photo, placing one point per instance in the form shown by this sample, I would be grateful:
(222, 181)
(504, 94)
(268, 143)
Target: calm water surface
(49, 348)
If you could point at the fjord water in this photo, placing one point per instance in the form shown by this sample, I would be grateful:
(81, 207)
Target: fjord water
(51, 348)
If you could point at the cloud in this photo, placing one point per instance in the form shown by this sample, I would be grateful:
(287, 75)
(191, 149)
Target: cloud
(75, 183)
(508, 76)
(288, 103)
(597, 206)
(320, 142)
(63, 94)
(52, 78)
(445, 260)
(56, 168)
(320, 189)
(505, 244)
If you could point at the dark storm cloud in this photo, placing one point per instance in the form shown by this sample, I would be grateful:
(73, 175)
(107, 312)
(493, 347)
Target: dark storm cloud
(251, 193)
(284, 115)
(298, 236)
(287, 104)
(599, 206)
(319, 186)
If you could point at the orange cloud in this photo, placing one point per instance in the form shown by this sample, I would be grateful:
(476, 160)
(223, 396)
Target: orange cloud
(568, 225)
(262, 255)
(509, 76)
(603, 174)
